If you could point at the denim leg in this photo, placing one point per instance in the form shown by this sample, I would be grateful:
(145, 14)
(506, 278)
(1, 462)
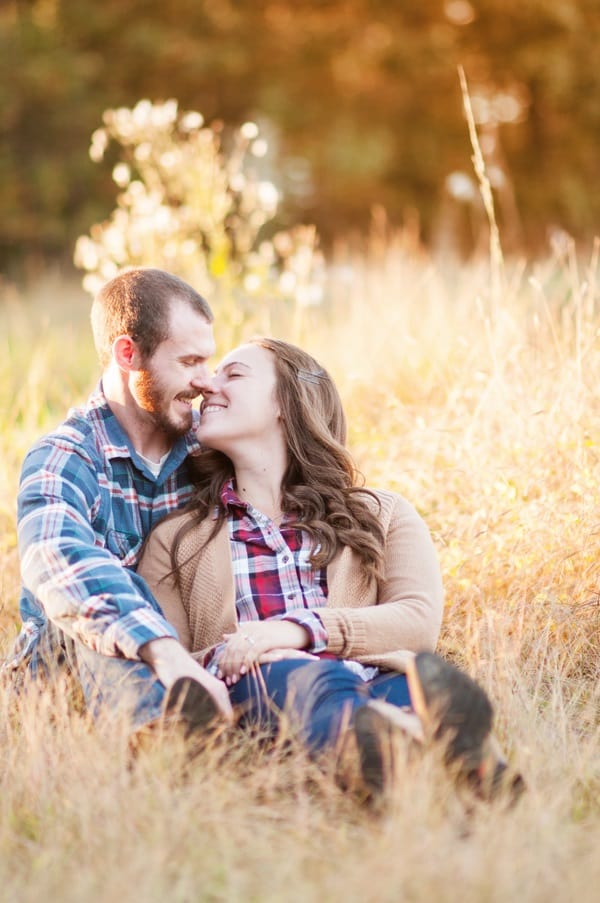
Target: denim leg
(118, 685)
(261, 695)
(325, 696)
(391, 687)
(318, 696)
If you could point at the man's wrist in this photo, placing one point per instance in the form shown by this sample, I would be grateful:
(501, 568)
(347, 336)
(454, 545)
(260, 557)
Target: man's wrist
(155, 651)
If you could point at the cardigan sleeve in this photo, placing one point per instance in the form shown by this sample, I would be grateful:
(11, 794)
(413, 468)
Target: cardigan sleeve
(406, 611)
(156, 569)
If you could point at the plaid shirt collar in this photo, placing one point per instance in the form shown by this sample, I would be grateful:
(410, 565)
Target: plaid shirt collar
(231, 500)
(239, 508)
(115, 442)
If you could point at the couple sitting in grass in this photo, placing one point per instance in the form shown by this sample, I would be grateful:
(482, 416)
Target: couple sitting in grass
(233, 570)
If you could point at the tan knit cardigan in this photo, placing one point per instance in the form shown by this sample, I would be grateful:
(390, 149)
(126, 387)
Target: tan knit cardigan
(372, 624)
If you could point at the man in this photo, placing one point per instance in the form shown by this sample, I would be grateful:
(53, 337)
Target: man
(92, 490)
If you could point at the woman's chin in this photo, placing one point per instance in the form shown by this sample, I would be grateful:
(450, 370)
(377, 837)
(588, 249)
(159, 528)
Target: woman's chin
(206, 440)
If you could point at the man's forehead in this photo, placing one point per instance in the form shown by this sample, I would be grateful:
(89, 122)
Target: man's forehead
(181, 310)
(191, 336)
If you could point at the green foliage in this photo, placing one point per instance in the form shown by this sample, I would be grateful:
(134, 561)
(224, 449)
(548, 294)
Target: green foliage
(195, 200)
(362, 97)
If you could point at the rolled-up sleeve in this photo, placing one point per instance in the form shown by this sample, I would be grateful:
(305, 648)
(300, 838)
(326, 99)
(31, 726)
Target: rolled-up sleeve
(83, 586)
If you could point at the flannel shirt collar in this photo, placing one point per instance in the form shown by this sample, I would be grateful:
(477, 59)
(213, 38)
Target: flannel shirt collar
(237, 507)
(231, 500)
(116, 444)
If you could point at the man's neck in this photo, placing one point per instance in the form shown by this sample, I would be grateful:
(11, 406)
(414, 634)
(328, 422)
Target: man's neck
(139, 427)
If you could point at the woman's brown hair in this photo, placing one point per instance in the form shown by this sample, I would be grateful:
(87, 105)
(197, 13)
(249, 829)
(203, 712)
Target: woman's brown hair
(321, 487)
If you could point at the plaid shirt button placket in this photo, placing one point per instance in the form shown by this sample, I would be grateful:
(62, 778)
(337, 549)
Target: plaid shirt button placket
(272, 574)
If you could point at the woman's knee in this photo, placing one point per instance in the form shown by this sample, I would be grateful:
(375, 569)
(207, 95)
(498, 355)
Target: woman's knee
(324, 677)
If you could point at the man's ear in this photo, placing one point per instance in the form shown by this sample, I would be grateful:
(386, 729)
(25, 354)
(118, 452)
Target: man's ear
(126, 353)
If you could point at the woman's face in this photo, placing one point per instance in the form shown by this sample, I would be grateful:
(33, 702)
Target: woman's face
(241, 405)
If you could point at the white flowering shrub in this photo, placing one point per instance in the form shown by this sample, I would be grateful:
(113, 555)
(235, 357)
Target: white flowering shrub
(191, 207)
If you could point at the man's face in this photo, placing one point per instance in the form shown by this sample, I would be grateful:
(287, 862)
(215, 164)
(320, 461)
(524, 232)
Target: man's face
(177, 371)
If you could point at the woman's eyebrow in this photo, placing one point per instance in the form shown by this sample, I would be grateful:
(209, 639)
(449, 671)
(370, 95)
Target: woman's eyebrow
(231, 364)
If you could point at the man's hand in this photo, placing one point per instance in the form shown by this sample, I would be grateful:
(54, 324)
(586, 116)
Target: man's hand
(254, 642)
(170, 661)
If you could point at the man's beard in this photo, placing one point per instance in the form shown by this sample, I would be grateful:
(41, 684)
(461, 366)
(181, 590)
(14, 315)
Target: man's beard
(153, 399)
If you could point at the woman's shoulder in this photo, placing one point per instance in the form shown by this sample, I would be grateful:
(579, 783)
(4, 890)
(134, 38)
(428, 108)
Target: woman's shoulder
(386, 499)
(391, 505)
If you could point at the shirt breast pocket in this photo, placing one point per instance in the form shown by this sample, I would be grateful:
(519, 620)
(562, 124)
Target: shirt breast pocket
(125, 546)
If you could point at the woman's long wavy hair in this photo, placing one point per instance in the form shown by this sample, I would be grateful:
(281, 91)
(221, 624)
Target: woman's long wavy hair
(321, 487)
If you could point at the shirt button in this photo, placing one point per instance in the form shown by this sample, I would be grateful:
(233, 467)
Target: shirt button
(291, 596)
(286, 558)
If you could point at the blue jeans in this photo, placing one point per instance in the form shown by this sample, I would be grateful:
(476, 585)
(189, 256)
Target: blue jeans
(319, 697)
(118, 685)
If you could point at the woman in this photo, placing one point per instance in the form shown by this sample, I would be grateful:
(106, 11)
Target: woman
(299, 588)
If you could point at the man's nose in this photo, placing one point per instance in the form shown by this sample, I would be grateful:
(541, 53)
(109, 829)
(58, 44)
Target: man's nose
(201, 379)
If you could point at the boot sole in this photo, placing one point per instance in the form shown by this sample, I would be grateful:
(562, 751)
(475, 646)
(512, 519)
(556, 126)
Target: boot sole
(451, 706)
(189, 701)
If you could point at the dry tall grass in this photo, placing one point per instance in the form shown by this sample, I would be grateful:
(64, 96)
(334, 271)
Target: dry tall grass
(485, 414)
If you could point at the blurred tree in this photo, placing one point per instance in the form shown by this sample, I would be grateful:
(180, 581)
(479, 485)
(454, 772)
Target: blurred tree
(193, 201)
(360, 97)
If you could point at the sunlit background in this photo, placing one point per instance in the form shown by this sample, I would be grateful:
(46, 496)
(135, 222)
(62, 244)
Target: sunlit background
(409, 190)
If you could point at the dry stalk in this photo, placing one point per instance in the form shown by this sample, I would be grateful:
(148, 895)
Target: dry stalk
(496, 256)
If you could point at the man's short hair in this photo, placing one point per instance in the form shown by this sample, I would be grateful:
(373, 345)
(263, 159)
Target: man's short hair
(137, 303)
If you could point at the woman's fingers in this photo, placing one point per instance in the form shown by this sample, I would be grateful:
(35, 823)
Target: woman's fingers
(246, 647)
(238, 657)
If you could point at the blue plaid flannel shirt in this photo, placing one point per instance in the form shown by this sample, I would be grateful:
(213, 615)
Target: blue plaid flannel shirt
(86, 503)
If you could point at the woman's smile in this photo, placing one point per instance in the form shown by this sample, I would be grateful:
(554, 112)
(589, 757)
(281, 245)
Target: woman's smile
(244, 385)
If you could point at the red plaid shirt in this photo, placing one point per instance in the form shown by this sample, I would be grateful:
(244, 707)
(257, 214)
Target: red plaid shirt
(272, 574)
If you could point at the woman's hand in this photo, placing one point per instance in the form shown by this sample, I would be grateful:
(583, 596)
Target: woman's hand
(258, 641)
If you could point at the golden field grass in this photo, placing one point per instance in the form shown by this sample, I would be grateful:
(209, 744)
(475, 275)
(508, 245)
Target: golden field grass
(483, 409)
